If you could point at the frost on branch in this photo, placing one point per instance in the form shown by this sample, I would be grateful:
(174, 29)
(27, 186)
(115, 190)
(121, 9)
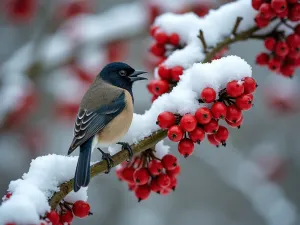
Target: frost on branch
(30, 195)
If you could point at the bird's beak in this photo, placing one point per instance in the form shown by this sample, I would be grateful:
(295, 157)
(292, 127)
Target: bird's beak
(135, 76)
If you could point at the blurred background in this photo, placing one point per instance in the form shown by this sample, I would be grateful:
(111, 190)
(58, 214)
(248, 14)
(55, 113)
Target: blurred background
(50, 51)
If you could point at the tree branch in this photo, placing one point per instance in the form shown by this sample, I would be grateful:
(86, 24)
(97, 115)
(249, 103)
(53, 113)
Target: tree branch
(150, 141)
(101, 167)
(229, 40)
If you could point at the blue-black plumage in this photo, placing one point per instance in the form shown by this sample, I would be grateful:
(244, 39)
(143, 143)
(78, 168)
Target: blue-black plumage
(105, 115)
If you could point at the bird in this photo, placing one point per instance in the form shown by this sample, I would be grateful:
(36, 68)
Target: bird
(104, 116)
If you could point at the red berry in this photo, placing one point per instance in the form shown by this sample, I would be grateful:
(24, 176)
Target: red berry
(174, 172)
(176, 72)
(154, 186)
(127, 174)
(142, 192)
(270, 43)
(249, 85)
(203, 115)
(160, 87)
(293, 41)
(163, 180)
(208, 95)
(294, 14)
(20, 10)
(153, 29)
(10, 224)
(8, 195)
(53, 217)
(279, 6)
(186, 147)
(219, 110)
(222, 135)
(141, 176)
(281, 49)
(164, 72)
(274, 64)
(175, 133)
(292, 1)
(154, 97)
(150, 86)
(174, 39)
(81, 209)
(266, 11)
(212, 140)
(66, 217)
(283, 14)
(155, 167)
(197, 135)
(169, 162)
(261, 22)
(173, 183)
(287, 70)
(233, 113)
(157, 50)
(188, 122)
(211, 127)
(236, 123)
(166, 120)
(297, 29)
(244, 102)
(256, 4)
(234, 88)
(161, 37)
(262, 59)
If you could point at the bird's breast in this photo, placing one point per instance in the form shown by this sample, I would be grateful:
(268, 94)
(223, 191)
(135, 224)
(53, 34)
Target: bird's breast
(119, 126)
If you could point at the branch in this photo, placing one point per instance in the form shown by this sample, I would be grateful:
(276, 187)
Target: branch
(229, 40)
(101, 167)
(236, 25)
(150, 141)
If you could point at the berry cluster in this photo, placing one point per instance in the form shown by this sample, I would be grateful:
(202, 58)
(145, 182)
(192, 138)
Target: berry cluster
(270, 9)
(189, 129)
(284, 55)
(164, 44)
(148, 173)
(65, 215)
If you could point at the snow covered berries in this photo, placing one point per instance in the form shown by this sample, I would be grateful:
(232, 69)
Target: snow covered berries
(227, 105)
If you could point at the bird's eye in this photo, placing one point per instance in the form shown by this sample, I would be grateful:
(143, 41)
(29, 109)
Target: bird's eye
(122, 73)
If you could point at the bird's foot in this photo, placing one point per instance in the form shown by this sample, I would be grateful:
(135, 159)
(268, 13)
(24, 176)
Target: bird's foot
(107, 157)
(127, 147)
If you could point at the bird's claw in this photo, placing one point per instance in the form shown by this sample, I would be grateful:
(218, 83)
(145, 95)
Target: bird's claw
(127, 147)
(107, 157)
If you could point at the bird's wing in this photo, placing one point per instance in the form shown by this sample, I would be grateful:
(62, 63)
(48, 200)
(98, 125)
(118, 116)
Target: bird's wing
(90, 122)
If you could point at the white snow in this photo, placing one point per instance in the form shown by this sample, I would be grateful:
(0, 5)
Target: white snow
(30, 194)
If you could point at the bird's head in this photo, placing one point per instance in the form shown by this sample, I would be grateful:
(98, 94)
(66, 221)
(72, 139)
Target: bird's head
(121, 75)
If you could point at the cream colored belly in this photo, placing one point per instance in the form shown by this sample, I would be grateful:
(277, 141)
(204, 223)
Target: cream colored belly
(119, 126)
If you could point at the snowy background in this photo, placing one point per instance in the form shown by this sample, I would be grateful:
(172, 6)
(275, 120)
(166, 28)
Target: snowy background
(254, 180)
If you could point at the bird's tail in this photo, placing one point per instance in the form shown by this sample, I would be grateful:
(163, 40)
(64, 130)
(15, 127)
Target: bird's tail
(82, 174)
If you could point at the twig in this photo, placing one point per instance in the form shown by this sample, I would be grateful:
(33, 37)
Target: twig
(227, 41)
(202, 39)
(286, 24)
(236, 25)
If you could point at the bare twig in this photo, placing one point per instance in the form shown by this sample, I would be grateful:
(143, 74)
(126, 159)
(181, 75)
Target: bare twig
(202, 39)
(236, 25)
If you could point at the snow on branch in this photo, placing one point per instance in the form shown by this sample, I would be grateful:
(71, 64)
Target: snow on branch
(31, 194)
